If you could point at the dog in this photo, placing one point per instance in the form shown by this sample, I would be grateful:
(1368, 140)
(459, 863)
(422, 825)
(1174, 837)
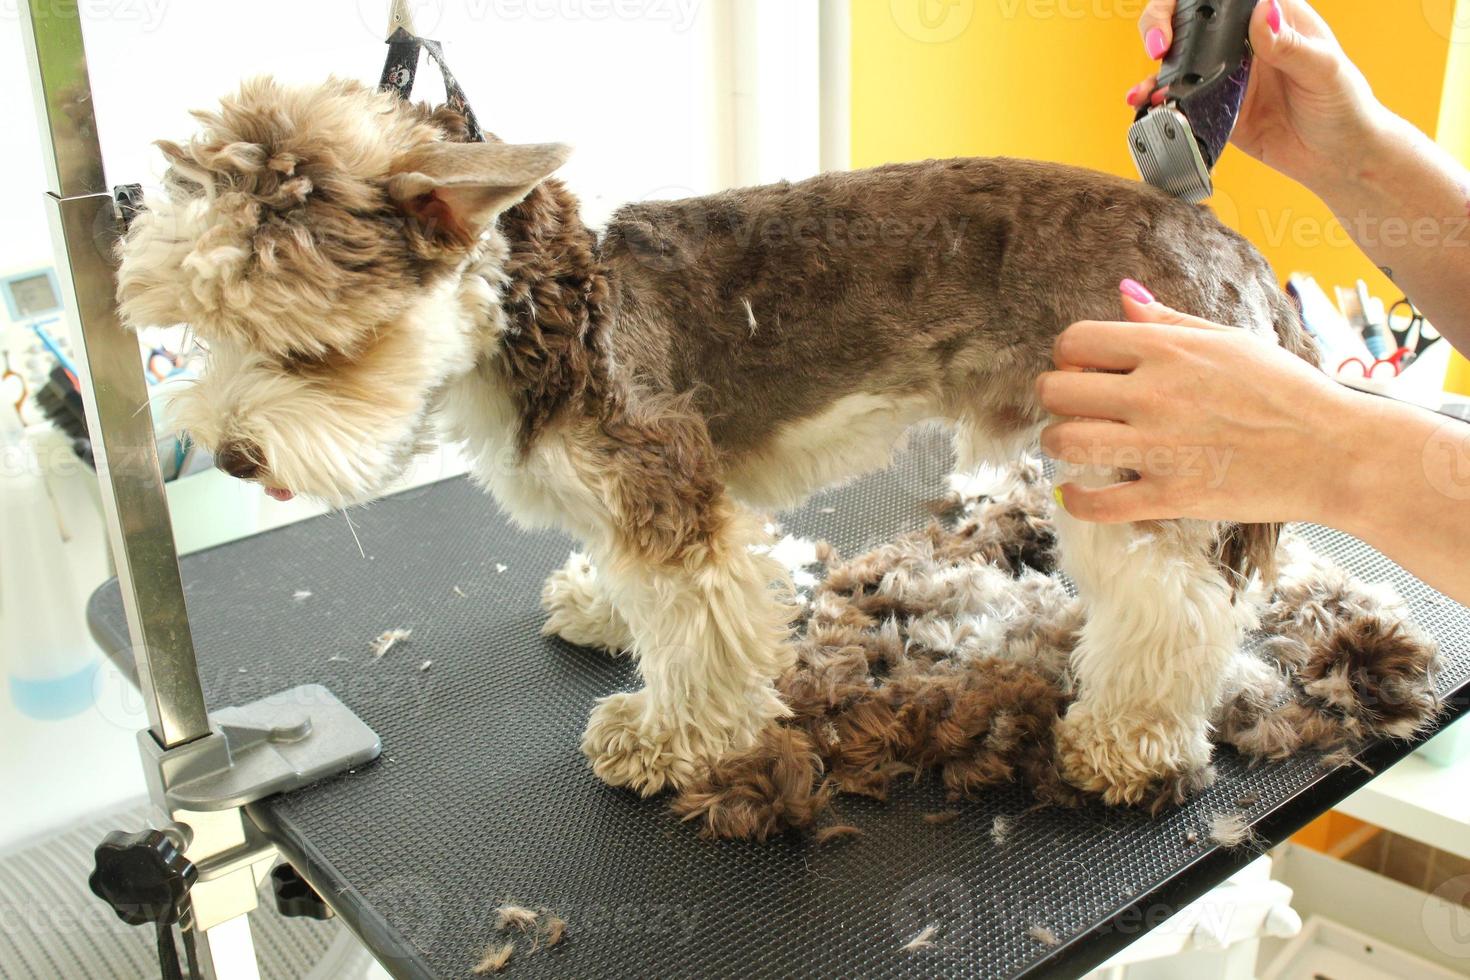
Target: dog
(361, 274)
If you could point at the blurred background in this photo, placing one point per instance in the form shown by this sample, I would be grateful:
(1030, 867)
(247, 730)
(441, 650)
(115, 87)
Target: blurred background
(662, 99)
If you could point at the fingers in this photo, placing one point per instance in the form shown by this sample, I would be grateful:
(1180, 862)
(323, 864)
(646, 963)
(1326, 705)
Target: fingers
(1101, 346)
(1085, 442)
(1140, 500)
(1278, 43)
(1139, 94)
(1094, 396)
(1157, 27)
(1140, 306)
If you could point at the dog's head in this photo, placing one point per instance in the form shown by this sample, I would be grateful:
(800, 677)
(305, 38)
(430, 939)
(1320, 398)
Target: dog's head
(316, 241)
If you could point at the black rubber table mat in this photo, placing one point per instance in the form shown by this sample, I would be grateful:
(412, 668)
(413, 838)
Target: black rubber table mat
(482, 797)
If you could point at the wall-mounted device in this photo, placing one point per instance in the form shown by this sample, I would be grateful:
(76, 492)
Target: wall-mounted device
(30, 296)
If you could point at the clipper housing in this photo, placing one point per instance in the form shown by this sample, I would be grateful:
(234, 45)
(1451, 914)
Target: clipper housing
(1176, 145)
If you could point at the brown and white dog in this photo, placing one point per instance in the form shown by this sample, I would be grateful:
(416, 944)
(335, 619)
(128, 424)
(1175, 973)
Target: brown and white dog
(359, 273)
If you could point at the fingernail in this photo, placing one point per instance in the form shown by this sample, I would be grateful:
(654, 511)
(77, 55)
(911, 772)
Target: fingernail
(1135, 290)
(1155, 44)
(1133, 95)
(1056, 494)
(1273, 17)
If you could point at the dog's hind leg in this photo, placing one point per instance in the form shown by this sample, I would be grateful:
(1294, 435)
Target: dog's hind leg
(580, 609)
(1160, 636)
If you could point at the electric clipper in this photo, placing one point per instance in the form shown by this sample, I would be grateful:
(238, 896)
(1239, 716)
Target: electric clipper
(1178, 143)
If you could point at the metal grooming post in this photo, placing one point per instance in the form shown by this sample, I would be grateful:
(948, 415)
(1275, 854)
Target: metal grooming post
(201, 770)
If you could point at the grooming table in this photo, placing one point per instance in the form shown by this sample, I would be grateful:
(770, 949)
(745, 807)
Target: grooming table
(481, 795)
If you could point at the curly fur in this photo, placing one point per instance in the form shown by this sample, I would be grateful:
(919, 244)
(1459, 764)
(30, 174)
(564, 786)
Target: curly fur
(893, 679)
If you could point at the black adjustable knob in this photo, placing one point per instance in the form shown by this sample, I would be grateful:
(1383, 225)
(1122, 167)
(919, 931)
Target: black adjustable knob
(295, 898)
(143, 876)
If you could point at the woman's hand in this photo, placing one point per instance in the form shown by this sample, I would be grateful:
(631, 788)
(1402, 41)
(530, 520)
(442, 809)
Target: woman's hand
(1307, 106)
(1220, 424)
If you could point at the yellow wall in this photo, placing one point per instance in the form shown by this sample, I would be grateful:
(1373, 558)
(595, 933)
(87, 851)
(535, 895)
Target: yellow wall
(1046, 79)
(1454, 112)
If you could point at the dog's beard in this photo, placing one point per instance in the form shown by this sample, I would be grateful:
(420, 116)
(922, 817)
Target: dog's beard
(372, 472)
(317, 451)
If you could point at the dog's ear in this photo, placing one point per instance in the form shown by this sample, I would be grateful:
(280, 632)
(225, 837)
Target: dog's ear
(452, 191)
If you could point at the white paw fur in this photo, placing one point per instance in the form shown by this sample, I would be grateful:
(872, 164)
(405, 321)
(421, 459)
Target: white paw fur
(580, 611)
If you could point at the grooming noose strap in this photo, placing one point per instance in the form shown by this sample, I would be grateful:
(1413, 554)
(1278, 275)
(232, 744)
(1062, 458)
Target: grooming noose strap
(401, 69)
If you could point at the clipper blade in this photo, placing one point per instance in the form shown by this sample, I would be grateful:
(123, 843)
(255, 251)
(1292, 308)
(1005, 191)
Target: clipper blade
(1168, 156)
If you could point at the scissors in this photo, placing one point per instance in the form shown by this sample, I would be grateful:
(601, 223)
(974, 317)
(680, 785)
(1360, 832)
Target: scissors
(1409, 327)
(1387, 367)
(14, 385)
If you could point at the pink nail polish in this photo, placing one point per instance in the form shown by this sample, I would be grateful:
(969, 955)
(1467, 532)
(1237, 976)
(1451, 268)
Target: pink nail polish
(1134, 96)
(1135, 290)
(1155, 44)
(1273, 17)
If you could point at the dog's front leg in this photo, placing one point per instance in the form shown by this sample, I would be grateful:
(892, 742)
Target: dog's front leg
(709, 632)
(1160, 635)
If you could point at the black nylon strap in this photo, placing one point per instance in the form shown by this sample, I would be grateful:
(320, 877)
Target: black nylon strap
(401, 70)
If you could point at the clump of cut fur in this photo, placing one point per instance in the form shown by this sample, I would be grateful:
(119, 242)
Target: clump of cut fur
(387, 640)
(946, 651)
(496, 958)
(515, 917)
(544, 929)
(836, 832)
(1350, 665)
(1231, 830)
(923, 940)
(1043, 935)
(773, 787)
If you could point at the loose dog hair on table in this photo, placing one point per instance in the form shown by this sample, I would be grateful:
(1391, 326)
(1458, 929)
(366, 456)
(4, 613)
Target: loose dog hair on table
(949, 649)
(360, 272)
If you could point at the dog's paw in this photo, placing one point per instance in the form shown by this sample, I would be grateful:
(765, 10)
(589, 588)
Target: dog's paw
(626, 749)
(1132, 760)
(580, 611)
